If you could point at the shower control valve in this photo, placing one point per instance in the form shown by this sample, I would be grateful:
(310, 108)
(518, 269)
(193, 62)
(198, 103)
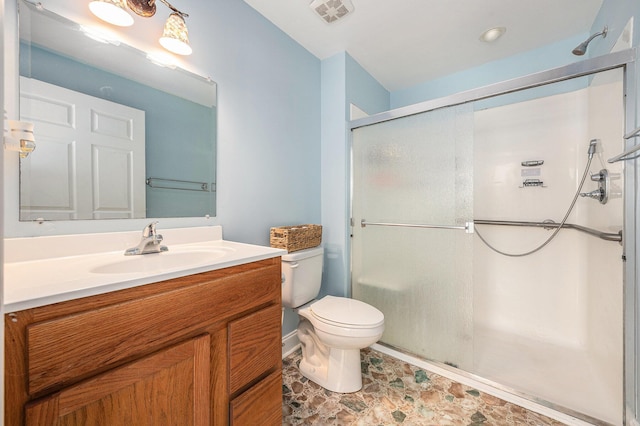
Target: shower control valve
(602, 193)
(596, 194)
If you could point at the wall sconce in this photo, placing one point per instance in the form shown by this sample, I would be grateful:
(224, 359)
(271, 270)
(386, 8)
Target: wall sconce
(175, 36)
(18, 136)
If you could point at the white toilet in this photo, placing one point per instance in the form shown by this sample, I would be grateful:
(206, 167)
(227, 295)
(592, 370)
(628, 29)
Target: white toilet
(332, 330)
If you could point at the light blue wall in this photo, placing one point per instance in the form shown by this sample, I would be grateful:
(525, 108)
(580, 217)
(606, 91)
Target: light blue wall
(334, 173)
(551, 56)
(269, 123)
(344, 82)
(268, 119)
(363, 90)
(614, 14)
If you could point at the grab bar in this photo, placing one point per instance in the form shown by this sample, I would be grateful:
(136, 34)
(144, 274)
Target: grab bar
(468, 226)
(632, 133)
(621, 157)
(185, 185)
(607, 236)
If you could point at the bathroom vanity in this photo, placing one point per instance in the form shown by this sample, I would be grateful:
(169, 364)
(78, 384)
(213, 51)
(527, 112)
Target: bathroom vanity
(201, 349)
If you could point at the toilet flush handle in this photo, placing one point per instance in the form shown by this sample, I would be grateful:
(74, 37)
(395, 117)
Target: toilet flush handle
(294, 265)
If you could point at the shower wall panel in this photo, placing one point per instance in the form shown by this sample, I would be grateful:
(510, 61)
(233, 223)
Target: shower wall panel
(541, 296)
(558, 312)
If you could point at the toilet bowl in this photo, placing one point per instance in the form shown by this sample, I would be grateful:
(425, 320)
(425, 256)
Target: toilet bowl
(332, 330)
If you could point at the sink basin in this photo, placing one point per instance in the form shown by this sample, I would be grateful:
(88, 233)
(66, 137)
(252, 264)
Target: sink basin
(158, 262)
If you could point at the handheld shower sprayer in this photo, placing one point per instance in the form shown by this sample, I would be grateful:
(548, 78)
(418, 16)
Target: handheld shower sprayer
(601, 194)
(593, 147)
(581, 49)
(602, 177)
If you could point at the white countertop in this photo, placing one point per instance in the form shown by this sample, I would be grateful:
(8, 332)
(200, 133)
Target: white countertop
(34, 277)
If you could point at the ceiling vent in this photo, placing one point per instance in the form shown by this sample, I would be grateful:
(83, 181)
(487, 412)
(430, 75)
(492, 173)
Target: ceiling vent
(332, 10)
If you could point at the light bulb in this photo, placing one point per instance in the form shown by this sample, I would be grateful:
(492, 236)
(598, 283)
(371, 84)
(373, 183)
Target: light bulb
(112, 11)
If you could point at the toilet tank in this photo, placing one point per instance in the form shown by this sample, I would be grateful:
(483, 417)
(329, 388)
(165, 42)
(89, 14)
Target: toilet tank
(301, 276)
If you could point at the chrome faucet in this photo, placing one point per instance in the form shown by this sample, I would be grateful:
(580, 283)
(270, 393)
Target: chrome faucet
(150, 242)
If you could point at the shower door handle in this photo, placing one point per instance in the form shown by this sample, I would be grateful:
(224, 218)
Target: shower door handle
(468, 226)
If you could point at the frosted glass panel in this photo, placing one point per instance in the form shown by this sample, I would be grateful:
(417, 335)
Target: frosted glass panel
(417, 170)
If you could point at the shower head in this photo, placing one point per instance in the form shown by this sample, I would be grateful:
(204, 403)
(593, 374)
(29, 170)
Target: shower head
(581, 49)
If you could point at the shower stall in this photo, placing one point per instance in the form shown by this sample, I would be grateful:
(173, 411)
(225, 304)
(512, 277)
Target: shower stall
(488, 227)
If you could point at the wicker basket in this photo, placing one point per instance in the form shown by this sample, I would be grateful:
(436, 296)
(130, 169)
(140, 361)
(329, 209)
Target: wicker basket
(294, 238)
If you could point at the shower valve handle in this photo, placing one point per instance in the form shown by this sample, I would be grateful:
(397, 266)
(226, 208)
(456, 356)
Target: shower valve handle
(596, 194)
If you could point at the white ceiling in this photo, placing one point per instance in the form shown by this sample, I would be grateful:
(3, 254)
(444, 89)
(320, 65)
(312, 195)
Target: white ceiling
(405, 42)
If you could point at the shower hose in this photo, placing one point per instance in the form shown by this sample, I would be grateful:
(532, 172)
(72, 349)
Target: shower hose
(553, 235)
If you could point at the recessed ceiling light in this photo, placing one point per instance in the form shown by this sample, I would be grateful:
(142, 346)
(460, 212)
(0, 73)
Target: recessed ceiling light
(492, 34)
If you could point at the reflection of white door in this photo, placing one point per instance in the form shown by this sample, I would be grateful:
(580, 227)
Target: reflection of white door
(89, 161)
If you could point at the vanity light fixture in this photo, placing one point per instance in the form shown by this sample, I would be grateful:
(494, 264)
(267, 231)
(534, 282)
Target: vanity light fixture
(492, 34)
(175, 36)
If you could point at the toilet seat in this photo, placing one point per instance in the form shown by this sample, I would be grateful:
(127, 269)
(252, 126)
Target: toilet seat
(345, 312)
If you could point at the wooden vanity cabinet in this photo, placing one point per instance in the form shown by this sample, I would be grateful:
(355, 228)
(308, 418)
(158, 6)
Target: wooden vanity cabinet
(198, 350)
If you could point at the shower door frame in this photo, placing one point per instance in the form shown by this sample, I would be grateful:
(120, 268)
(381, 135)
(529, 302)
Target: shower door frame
(626, 60)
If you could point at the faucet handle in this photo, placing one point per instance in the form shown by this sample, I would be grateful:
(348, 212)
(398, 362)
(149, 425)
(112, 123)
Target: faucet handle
(149, 230)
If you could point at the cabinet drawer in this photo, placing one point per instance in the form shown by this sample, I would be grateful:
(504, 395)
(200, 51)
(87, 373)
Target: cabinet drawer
(255, 346)
(70, 348)
(260, 404)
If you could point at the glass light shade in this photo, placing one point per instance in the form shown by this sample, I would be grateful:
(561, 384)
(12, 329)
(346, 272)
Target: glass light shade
(112, 11)
(175, 37)
(26, 148)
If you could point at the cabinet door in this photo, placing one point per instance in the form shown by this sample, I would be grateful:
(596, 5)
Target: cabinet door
(170, 386)
(260, 405)
(255, 346)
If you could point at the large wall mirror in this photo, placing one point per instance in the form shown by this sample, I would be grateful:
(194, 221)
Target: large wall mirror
(119, 135)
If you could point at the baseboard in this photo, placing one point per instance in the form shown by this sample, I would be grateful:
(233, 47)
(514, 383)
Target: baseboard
(290, 343)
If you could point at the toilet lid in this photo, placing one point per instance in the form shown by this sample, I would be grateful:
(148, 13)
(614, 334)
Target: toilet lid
(346, 311)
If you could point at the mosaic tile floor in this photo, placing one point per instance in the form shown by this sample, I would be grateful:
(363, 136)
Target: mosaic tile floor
(394, 393)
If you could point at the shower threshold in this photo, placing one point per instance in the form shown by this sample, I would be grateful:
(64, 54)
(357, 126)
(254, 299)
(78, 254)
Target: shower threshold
(532, 403)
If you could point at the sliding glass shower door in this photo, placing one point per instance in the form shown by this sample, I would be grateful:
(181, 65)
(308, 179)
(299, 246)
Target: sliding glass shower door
(417, 170)
(454, 215)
